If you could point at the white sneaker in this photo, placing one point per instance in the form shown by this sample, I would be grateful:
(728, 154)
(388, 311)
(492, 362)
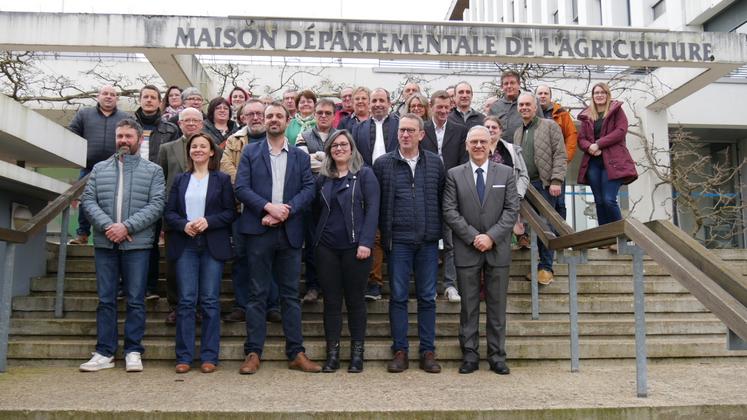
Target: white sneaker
(452, 295)
(133, 363)
(97, 363)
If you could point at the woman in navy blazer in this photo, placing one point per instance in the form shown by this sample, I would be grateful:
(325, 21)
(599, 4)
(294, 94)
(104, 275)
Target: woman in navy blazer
(348, 210)
(198, 216)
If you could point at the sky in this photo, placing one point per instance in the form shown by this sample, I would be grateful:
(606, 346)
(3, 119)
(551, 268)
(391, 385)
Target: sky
(408, 10)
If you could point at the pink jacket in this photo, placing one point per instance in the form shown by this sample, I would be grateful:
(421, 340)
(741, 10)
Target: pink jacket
(611, 141)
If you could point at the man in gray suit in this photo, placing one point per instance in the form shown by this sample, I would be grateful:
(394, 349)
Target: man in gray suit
(481, 205)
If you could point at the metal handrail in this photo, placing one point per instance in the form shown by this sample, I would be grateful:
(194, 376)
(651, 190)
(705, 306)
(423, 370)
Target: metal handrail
(702, 273)
(41, 219)
(14, 237)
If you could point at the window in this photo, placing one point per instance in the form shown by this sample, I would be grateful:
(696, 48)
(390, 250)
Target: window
(659, 8)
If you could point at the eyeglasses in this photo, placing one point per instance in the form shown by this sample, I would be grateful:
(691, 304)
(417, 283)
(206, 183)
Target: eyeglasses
(221, 108)
(408, 130)
(474, 143)
(324, 113)
(254, 114)
(413, 106)
(191, 121)
(341, 146)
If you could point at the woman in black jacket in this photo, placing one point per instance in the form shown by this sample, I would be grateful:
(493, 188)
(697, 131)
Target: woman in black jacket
(348, 210)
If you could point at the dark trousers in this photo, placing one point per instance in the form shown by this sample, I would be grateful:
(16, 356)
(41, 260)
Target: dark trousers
(154, 259)
(273, 259)
(84, 226)
(496, 290)
(341, 274)
(546, 255)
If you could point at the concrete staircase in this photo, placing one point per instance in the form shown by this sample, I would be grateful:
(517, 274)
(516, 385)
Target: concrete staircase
(678, 326)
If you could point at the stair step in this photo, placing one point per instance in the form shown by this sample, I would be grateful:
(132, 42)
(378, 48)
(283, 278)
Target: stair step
(379, 327)
(530, 348)
(558, 303)
(585, 285)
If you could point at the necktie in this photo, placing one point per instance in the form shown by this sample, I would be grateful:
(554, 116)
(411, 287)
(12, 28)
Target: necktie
(480, 184)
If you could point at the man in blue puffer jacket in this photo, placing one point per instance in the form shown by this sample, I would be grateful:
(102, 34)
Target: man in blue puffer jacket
(412, 182)
(123, 199)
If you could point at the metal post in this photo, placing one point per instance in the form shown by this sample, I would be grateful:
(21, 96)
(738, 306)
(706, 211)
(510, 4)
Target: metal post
(6, 290)
(535, 286)
(641, 363)
(572, 258)
(735, 342)
(61, 259)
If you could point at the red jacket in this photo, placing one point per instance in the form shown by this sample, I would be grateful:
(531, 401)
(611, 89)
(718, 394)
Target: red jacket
(615, 154)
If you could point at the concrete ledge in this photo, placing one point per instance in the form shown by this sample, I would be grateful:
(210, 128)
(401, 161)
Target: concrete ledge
(29, 183)
(28, 136)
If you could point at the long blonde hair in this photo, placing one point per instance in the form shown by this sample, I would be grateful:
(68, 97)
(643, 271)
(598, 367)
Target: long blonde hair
(593, 110)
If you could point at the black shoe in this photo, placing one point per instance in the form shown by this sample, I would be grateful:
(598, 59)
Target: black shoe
(274, 317)
(500, 368)
(333, 357)
(237, 315)
(356, 357)
(469, 367)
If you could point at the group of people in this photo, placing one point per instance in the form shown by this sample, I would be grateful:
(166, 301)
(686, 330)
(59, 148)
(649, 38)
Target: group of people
(337, 187)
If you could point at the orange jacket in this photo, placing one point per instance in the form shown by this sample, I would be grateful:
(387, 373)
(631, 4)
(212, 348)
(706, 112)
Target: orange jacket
(563, 118)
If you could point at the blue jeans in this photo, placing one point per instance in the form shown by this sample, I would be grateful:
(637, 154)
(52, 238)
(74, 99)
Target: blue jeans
(84, 226)
(545, 255)
(605, 192)
(198, 276)
(132, 267)
(240, 275)
(273, 260)
(423, 261)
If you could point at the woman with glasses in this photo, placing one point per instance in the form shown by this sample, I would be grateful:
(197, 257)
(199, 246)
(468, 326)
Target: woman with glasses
(606, 163)
(348, 210)
(171, 104)
(199, 214)
(418, 105)
(219, 124)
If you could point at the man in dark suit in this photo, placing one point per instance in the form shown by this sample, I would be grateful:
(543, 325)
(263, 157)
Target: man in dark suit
(275, 184)
(481, 206)
(445, 138)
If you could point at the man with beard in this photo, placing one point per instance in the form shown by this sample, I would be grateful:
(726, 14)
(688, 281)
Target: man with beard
(275, 185)
(123, 198)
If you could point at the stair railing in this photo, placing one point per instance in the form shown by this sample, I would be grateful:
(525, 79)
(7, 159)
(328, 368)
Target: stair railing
(13, 238)
(700, 271)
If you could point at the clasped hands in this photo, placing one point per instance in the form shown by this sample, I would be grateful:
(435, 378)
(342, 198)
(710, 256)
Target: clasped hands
(483, 242)
(594, 150)
(196, 227)
(117, 233)
(276, 214)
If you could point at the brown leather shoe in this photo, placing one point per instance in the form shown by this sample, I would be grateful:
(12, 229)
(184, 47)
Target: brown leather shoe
(237, 315)
(79, 240)
(250, 365)
(207, 367)
(545, 277)
(523, 241)
(399, 362)
(428, 363)
(301, 362)
(182, 368)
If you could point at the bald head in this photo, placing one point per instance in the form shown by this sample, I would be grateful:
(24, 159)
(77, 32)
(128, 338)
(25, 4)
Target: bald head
(527, 105)
(107, 99)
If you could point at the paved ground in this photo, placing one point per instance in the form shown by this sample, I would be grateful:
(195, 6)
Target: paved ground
(274, 388)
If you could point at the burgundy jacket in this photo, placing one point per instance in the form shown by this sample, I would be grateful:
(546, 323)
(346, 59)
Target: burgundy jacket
(615, 154)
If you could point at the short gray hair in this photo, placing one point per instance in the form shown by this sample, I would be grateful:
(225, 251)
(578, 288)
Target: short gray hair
(191, 91)
(415, 117)
(131, 123)
(478, 128)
